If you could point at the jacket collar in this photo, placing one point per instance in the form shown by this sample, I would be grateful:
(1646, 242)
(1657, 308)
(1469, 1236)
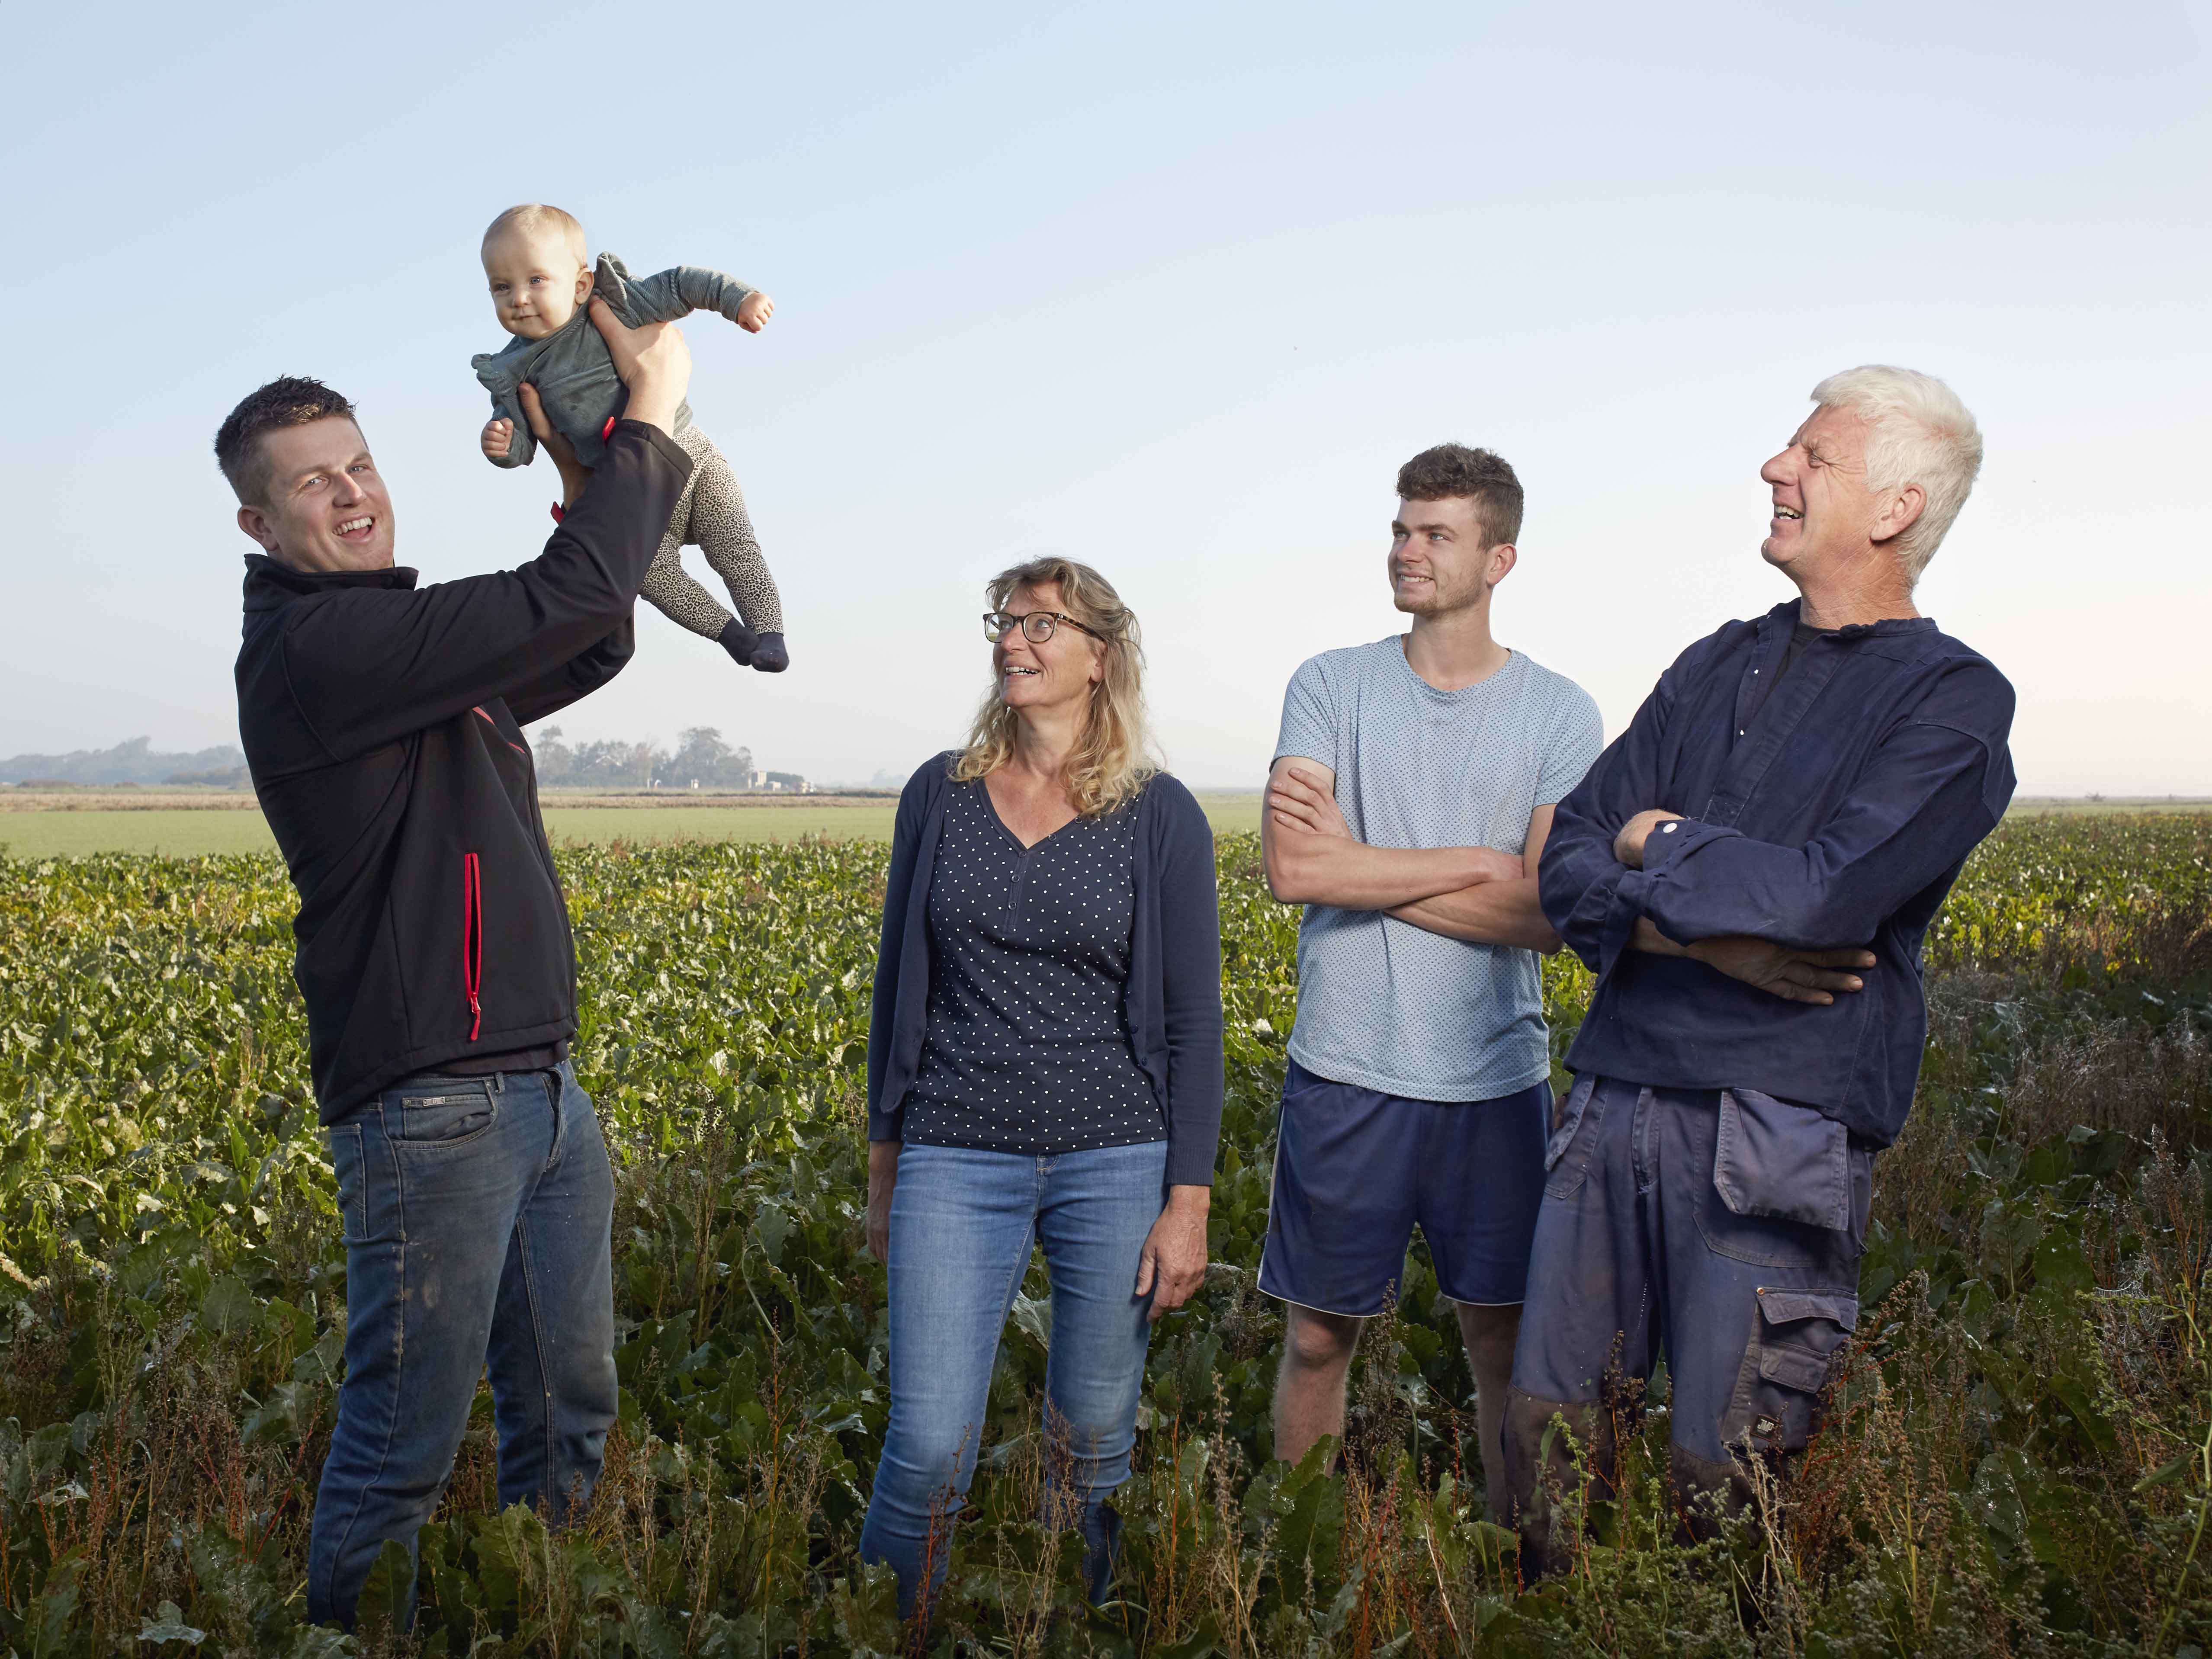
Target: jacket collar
(1787, 613)
(268, 584)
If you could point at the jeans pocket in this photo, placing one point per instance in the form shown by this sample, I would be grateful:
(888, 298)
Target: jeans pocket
(1788, 1366)
(1566, 1112)
(353, 1182)
(1567, 1153)
(441, 1114)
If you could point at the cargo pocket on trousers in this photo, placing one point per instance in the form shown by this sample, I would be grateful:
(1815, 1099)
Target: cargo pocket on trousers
(1789, 1189)
(1567, 1153)
(1775, 1159)
(1787, 1367)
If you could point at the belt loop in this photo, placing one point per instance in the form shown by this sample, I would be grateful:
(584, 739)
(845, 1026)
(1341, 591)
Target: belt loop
(498, 1083)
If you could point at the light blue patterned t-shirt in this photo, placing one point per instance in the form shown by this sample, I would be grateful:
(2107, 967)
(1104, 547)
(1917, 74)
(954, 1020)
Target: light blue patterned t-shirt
(1383, 1004)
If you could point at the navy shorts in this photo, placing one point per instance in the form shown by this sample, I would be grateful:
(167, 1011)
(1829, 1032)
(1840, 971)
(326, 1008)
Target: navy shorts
(1355, 1170)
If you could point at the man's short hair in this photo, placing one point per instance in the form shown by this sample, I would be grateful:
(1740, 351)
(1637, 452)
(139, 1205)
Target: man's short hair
(290, 400)
(1452, 471)
(1917, 433)
(535, 219)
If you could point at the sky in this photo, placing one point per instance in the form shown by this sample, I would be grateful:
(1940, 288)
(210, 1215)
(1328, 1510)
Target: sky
(1173, 289)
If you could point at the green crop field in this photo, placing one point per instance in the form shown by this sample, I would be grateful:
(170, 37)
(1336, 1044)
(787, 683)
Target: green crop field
(178, 832)
(2017, 1457)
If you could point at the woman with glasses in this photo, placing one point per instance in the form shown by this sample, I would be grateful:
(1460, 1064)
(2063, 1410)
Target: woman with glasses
(1044, 1066)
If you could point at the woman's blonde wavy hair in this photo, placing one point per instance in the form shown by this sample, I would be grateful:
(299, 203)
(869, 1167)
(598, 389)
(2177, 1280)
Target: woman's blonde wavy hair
(1112, 761)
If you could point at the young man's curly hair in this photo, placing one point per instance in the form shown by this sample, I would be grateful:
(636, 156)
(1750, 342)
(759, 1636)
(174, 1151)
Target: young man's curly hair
(1451, 470)
(289, 401)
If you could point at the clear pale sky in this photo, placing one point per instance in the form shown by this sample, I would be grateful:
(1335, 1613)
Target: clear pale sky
(1171, 288)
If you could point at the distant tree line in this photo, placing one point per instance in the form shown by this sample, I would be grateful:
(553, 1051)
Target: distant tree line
(608, 763)
(701, 756)
(134, 762)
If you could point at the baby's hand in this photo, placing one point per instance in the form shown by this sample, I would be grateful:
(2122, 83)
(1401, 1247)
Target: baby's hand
(498, 436)
(754, 311)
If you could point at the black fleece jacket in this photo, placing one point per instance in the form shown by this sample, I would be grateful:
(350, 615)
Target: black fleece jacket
(383, 726)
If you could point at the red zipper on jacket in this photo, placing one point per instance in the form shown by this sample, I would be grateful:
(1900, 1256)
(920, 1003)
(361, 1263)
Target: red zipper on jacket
(472, 938)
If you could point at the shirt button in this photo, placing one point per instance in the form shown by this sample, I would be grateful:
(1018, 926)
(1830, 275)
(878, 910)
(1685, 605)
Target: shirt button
(1666, 828)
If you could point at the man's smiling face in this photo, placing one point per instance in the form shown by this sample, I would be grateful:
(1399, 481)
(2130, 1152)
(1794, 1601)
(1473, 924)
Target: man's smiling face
(1440, 558)
(324, 506)
(1821, 506)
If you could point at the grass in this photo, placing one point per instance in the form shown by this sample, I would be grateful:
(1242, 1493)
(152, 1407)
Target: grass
(2106, 807)
(178, 832)
(198, 832)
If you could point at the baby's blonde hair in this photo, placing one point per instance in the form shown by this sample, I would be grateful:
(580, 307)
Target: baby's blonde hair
(536, 218)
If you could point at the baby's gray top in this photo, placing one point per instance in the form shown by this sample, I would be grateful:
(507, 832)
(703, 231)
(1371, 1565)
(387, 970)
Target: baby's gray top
(575, 376)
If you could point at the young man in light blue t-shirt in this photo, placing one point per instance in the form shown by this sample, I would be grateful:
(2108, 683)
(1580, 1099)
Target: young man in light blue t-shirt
(1412, 790)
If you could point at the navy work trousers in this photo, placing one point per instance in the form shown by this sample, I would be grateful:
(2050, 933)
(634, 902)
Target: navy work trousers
(1722, 1228)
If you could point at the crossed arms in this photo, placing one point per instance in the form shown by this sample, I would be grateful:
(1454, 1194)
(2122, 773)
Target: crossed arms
(1792, 920)
(1477, 894)
(1488, 897)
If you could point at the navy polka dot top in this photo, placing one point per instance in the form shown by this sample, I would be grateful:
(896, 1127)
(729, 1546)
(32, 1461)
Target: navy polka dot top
(1025, 1049)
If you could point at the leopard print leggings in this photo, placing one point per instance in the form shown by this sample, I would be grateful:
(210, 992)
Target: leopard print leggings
(711, 516)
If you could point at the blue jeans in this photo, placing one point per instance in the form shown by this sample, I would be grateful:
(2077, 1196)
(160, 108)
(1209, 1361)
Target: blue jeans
(1722, 1227)
(962, 1225)
(477, 1212)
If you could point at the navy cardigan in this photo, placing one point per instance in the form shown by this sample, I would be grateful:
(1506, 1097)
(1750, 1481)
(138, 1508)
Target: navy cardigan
(1171, 1005)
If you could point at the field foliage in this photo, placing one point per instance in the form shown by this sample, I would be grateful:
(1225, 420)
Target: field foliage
(2018, 1458)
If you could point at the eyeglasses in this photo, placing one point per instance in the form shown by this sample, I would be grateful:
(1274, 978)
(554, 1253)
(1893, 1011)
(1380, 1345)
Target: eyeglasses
(1037, 627)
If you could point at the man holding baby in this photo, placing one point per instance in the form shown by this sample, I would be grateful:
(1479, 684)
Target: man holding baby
(382, 723)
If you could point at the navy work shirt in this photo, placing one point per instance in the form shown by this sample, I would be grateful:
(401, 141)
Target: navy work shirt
(1837, 815)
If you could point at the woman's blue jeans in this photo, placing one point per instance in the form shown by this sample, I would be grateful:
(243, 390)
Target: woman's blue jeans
(476, 1213)
(962, 1223)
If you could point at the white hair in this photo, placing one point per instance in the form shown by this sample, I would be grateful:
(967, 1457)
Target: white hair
(1917, 433)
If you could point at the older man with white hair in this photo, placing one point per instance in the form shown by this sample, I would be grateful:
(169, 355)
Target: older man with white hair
(1751, 869)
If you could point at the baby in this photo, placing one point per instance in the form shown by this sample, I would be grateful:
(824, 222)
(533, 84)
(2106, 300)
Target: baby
(534, 258)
